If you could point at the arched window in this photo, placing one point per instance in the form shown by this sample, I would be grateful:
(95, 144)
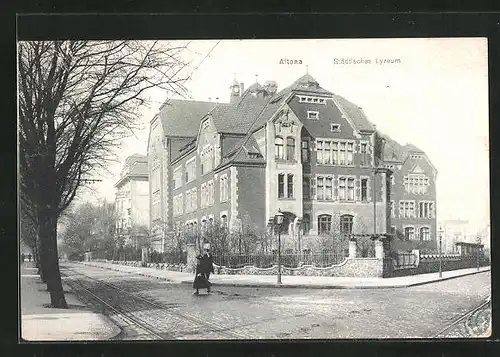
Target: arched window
(409, 233)
(324, 224)
(346, 224)
(278, 144)
(306, 224)
(425, 233)
(290, 149)
(223, 219)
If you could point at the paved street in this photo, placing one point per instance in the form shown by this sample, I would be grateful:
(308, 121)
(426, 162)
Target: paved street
(270, 313)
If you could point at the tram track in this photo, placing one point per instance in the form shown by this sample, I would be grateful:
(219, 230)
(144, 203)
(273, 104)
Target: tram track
(466, 321)
(134, 309)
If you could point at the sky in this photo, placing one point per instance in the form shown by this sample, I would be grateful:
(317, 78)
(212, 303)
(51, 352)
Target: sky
(430, 92)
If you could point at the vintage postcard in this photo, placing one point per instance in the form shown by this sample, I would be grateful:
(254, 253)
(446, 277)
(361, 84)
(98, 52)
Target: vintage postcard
(254, 189)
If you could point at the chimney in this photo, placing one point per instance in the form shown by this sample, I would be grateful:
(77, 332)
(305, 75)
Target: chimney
(242, 88)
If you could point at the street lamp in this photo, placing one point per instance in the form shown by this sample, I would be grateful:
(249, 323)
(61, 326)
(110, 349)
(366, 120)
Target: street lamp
(278, 218)
(440, 245)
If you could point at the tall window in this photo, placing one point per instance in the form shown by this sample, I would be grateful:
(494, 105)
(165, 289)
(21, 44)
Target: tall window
(319, 152)
(342, 160)
(328, 188)
(306, 223)
(190, 170)
(320, 192)
(363, 154)
(342, 188)
(409, 233)
(350, 151)
(364, 189)
(425, 233)
(290, 149)
(305, 150)
(346, 224)
(278, 144)
(327, 153)
(425, 209)
(224, 188)
(281, 185)
(178, 177)
(393, 210)
(335, 153)
(350, 189)
(324, 224)
(407, 209)
(306, 188)
(289, 186)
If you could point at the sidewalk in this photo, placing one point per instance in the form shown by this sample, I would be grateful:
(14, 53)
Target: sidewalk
(310, 282)
(40, 323)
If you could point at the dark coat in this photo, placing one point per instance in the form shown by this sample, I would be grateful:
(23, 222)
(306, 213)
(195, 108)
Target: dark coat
(206, 264)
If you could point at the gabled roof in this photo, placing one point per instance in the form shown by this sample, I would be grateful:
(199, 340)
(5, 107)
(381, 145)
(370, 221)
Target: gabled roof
(183, 117)
(354, 113)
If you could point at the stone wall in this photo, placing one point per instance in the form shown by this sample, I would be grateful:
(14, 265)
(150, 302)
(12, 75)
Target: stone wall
(432, 266)
(351, 267)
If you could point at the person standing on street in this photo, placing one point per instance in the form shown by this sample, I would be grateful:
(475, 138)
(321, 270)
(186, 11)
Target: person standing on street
(207, 264)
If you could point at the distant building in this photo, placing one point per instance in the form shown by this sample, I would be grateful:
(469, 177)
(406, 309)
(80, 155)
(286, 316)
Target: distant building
(132, 201)
(304, 150)
(455, 231)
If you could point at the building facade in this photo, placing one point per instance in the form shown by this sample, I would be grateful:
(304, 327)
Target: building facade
(303, 150)
(132, 201)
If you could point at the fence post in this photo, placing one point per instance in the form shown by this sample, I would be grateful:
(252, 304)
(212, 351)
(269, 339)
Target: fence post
(416, 253)
(191, 257)
(352, 249)
(379, 249)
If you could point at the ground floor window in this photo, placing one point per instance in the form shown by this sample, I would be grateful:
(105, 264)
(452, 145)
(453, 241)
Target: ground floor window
(409, 233)
(346, 224)
(324, 224)
(425, 233)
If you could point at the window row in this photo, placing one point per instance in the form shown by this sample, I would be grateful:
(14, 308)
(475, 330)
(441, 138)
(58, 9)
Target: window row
(416, 183)
(192, 225)
(207, 194)
(190, 173)
(340, 153)
(424, 233)
(328, 188)
(325, 224)
(309, 99)
(408, 209)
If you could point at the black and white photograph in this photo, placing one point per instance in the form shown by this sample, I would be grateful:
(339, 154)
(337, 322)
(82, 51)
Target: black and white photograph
(278, 189)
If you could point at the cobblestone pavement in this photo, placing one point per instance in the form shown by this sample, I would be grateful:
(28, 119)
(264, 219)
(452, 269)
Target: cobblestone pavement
(273, 313)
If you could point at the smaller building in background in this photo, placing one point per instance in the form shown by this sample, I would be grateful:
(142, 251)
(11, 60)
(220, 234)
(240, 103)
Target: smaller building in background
(132, 201)
(454, 231)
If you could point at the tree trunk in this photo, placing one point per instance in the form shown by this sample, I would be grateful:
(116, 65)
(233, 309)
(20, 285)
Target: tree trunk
(49, 258)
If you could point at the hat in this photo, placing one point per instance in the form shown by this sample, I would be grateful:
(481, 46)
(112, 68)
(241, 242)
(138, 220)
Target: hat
(199, 256)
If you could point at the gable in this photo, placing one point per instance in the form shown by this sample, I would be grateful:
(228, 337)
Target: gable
(328, 114)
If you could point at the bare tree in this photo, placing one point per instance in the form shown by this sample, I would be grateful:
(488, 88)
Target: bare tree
(77, 100)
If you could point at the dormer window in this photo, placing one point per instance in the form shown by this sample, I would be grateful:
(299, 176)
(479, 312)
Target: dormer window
(335, 128)
(205, 124)
(312, 115)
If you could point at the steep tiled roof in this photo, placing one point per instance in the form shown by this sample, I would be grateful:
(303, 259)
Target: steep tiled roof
(183, 117)
(392, 151)
(245, 151)
(354, 112)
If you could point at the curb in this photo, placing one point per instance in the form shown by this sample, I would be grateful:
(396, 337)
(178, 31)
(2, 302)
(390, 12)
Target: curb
(298, 286)
(106, 319)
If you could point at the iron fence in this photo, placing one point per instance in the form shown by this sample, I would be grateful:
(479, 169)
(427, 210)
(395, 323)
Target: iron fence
(287, 260)
(402, 260)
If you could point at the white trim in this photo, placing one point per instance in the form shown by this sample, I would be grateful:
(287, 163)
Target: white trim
(337, 129)
(316, 114)
(311, 99)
